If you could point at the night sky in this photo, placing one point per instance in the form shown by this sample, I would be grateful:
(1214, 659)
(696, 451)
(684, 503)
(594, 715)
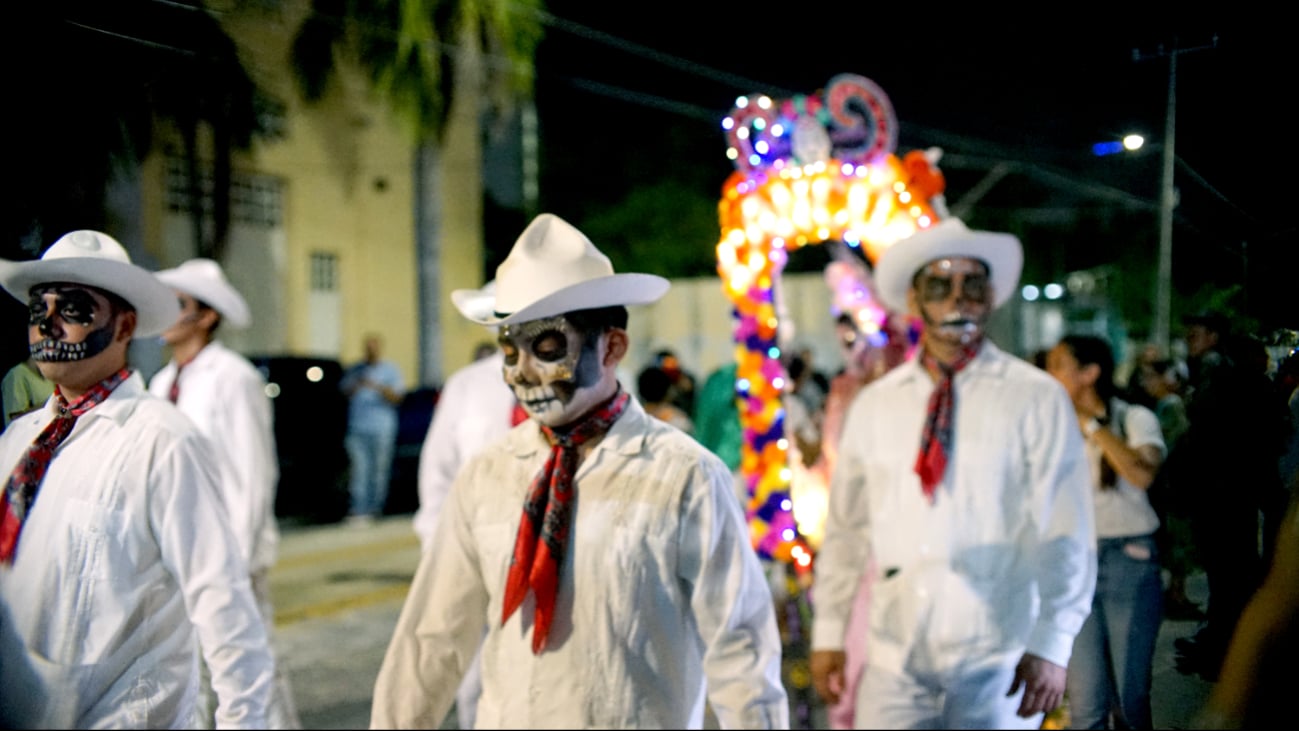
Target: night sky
(626, 95)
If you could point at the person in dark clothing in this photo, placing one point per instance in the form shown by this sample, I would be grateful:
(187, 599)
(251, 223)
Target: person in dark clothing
(1223, 471)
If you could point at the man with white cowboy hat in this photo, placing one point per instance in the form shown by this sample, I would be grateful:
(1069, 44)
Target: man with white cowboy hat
(114, 550)
(982, 539)
(226, 397)
(627, 594)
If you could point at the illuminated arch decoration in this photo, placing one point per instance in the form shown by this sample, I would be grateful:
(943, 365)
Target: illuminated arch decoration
(808, 169)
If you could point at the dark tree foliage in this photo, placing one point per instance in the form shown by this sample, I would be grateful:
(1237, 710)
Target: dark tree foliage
(92, 81)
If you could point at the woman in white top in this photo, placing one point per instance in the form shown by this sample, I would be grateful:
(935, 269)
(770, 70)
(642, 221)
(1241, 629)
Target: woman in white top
(1110, 670)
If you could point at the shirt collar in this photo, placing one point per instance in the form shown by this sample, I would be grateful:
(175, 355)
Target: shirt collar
(118, 406)
(991, 361)
(626, 436)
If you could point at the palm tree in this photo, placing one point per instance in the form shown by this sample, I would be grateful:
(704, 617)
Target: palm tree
(422, 55)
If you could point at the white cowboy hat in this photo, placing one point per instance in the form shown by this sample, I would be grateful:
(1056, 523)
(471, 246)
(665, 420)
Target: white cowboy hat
(553, 269)
(948, 238)
(204, 280)
(97, 260)
(476, 304)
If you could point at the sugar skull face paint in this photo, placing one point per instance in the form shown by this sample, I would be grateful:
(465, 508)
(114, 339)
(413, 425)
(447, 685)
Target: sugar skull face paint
(552, 368)
(67, 322)
(954, 297)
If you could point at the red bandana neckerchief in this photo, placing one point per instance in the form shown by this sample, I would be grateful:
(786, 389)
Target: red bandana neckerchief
(542, 540)
(936, 441)
(518, 414)
(20, 492)
(173, 394)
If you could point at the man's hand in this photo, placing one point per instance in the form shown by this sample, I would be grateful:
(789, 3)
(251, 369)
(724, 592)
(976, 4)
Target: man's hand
(827, 674)
(1043, 683)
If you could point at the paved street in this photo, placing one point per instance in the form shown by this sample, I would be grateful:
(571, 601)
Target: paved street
(338, 591)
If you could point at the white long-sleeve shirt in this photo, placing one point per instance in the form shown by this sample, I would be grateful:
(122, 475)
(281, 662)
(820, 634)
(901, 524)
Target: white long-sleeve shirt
(661, 597)
(226, 397)
(1004, 560)
(124, 557)
(472, 412)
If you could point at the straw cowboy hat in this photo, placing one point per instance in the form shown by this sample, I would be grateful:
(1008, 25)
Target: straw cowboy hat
(948, 238)
(97, 260)
(204, 280)
(553, 269)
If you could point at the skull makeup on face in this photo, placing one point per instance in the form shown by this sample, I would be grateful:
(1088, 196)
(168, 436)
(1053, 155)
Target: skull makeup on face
(552, 367)
(954, 298)
(61, 319)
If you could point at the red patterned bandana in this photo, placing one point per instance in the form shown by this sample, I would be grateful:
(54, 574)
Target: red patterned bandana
(542, 540)
(20, 492)
(936, 441)
(518, 414)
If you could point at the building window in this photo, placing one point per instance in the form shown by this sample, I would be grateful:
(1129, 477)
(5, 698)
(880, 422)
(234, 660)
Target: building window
(272, 117)
(255, 200)
(324, 272)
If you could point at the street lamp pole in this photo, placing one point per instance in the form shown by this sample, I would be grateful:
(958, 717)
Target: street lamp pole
(1167, 195)
(1160, 329)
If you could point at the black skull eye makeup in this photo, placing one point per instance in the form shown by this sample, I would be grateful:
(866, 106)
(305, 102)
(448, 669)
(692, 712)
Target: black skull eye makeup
(550, 346)
(73, 306)
(51, 309)
(546, 339)
(973, 287)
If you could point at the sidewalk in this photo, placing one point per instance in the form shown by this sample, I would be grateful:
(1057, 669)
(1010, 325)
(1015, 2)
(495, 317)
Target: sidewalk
(1176, 698)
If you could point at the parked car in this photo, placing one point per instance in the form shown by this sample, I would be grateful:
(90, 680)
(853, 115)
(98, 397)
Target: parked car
(413, 419)
(310, 423)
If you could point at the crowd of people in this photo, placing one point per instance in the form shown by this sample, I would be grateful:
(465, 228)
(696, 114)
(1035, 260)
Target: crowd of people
(1000, 539)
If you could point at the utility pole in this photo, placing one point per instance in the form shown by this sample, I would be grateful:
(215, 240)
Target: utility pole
(1167, 195)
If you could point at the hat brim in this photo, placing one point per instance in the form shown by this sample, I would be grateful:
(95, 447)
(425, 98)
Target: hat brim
(154, 302)
(475, 304)
(898, 265)
(215, 294)
(608, 291)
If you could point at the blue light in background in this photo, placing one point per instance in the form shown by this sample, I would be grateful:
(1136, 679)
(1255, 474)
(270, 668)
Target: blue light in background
(1100, 149)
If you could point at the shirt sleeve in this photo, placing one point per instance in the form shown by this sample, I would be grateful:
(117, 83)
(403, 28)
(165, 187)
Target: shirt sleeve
(200, 550)
(1141, 427)
(440, 459)
(395, 381)
(732, 605)
(844, 548)
(1065, 555)
(439, 629)
(247, 444)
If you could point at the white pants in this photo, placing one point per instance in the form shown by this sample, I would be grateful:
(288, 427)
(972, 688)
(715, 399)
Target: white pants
(974, 698)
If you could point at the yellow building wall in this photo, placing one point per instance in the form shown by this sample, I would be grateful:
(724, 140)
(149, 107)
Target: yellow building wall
(347, 170)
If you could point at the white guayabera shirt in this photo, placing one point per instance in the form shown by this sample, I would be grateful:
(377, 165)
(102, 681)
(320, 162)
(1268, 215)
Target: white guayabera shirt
(226, 397)
(662, 601)
(1003, 561)
(123, 560)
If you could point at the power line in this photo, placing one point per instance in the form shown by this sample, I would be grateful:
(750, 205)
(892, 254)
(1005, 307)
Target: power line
(133, 39)
(667, 59)
(648, 100)
(1186, 168)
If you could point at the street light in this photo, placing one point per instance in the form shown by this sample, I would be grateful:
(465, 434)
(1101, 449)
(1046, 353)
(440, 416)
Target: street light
(1129, 143)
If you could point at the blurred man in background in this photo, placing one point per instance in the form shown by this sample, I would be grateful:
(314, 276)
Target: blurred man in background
(226, 397)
